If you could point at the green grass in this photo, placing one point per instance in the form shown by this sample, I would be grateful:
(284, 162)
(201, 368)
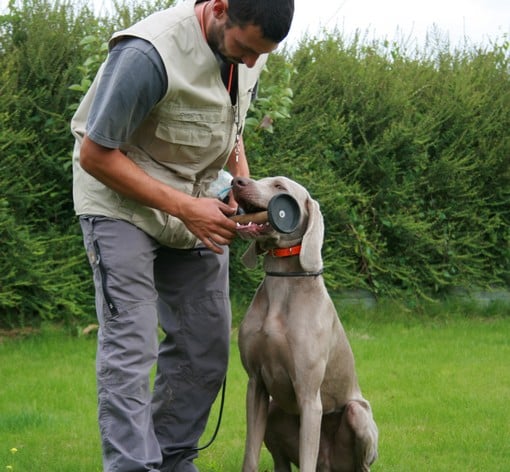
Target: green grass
(439, 387)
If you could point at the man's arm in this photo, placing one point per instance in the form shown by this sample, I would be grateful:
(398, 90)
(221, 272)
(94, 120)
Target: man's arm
(237, 165)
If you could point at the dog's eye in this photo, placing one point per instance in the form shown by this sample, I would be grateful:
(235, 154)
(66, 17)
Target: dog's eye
(280, 187)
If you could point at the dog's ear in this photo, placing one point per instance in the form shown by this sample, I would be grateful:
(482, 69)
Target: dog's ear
(249, 258)
(311, 245)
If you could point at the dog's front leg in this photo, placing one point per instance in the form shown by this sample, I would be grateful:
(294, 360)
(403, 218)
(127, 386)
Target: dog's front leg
(257, 404)
(309, 434)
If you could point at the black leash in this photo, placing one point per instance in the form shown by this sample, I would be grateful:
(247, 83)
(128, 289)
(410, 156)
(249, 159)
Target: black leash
(220, 415)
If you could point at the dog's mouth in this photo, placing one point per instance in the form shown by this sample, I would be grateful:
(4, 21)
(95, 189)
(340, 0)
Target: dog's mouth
(255, 227)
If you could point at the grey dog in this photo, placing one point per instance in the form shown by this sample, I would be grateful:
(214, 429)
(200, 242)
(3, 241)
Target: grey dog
(303, 396)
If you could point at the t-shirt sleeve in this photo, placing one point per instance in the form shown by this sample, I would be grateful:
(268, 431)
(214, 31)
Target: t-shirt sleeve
(134, 80)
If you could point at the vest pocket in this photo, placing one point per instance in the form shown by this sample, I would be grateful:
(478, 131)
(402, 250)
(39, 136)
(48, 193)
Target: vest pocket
(195, 137)
(184, 134)
(190, 127)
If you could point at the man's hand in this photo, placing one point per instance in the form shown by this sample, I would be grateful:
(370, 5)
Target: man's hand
(207, 219)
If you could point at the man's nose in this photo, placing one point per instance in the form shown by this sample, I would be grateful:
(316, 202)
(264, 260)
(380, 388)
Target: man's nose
(249, 60)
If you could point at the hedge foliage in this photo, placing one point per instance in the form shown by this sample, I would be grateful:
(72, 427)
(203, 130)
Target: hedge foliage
(408, 155)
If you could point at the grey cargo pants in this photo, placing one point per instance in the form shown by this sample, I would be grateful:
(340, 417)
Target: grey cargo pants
(137, 283)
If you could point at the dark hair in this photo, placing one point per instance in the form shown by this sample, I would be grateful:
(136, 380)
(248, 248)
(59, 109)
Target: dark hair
(273, 16)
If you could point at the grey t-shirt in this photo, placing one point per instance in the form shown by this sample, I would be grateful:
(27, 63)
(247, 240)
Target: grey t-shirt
(134, 80)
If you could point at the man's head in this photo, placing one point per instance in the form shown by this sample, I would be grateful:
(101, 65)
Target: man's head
(242, 30)
(274, 17)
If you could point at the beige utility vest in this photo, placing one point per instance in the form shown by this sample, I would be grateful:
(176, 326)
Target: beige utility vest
(187, 137)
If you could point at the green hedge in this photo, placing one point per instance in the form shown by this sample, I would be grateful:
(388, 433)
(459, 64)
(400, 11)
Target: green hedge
(44, 275)
(408, 155)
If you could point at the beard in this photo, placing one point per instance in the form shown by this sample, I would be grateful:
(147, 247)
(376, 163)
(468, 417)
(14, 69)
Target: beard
(216, 41)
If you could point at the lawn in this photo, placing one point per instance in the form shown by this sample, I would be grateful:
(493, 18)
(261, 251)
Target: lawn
(439, 387)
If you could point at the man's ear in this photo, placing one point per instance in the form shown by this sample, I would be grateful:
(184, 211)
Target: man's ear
(219, 7)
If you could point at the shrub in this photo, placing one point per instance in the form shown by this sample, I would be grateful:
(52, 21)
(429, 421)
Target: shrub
(408, 155)
(409, 158)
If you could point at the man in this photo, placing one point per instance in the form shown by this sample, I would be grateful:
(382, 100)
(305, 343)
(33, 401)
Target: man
(162, 118)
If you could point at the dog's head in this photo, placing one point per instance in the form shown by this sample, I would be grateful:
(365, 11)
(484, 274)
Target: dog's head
(254, 195)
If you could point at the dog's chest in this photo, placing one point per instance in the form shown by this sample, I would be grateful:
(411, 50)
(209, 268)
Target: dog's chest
(264, 341)
(268, 332)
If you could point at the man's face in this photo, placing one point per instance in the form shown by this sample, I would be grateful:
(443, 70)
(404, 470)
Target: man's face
(239, 45)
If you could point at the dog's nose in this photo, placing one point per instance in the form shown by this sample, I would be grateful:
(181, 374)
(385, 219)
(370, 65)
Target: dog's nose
(240, 181)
